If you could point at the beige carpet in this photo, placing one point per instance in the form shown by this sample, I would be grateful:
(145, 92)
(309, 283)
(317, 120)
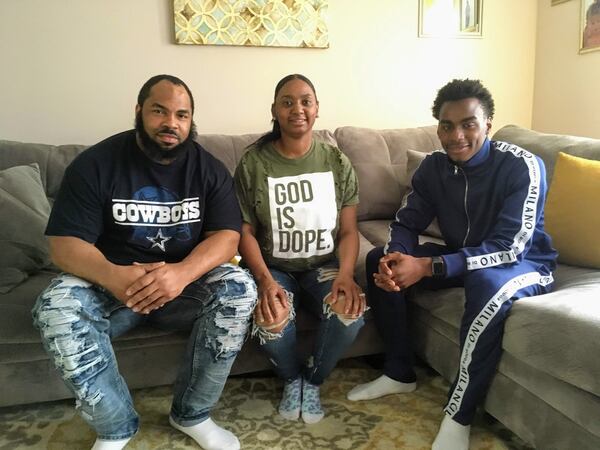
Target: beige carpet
(248, 408)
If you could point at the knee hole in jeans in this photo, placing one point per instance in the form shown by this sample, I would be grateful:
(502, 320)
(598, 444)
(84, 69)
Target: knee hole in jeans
(337, 309)
(275, 331)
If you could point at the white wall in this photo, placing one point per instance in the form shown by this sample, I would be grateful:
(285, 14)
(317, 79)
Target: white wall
(71, 69)
(567, 96)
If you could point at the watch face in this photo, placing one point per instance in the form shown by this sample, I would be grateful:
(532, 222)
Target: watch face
(437, 266)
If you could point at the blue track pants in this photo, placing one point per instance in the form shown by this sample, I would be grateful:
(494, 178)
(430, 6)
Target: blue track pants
(489, 296)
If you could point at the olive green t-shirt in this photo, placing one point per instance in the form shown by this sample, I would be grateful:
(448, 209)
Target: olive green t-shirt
(294, 204)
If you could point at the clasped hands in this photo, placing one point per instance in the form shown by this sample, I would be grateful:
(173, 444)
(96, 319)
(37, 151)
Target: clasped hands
(272, 309)
(397, 271)
(146, 287)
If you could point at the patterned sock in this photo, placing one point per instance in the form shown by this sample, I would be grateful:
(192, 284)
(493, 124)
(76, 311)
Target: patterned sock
(452, 436)
(209, 435)
(102, 444)
(289, 407)
(311, 403)
(379, 387)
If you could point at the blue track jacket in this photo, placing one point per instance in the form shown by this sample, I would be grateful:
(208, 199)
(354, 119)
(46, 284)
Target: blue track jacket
(490, 209)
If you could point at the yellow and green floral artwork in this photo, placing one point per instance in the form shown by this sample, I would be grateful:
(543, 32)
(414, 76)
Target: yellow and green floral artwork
(265, 23)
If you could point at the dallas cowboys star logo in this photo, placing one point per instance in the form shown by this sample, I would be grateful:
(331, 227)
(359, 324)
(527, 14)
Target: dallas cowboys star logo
(159, 240)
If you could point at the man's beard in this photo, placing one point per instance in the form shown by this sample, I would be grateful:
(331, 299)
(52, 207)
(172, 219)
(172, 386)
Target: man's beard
(153, 149)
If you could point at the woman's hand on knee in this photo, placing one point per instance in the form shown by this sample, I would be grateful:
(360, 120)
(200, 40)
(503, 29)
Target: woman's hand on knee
(272, 308)
(347, 297)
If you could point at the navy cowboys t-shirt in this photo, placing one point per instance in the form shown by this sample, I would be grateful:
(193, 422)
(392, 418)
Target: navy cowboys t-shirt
(135, 210)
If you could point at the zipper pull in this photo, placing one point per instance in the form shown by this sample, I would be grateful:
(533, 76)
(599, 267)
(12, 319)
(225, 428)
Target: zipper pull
(455, 170)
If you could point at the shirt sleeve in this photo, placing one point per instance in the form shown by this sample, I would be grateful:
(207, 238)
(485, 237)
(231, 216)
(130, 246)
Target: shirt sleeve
(222, 209)
(245, 192)
(350, 182)
(78, 208)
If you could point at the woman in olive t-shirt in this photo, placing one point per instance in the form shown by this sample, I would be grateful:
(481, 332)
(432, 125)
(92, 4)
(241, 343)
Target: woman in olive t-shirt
(298, 198)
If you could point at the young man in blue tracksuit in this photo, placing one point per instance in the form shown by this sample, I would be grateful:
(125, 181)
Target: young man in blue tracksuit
(488, 198)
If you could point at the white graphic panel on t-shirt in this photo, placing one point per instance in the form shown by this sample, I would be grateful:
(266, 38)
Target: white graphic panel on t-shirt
(157, 216)
(303, 214)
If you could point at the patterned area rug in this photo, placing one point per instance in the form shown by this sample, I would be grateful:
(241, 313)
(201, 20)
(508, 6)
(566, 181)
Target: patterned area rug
(248, 408)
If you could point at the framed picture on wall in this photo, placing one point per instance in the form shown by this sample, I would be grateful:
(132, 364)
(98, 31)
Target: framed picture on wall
(450, 18)
(556, 2)
(590, 26)
(469, 16)
(265, 23)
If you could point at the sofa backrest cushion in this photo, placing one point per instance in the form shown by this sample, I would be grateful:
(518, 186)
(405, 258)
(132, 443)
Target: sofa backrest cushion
(227, 148)
(54, 159)
(25, 210)
(230, 148)
(547, 146)
(51, 159)
(380, 160)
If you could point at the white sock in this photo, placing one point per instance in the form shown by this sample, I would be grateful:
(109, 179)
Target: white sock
(209, 435)
(101, 444)
(291, 399)
(379, 387)
(312, 412)
(452, 436)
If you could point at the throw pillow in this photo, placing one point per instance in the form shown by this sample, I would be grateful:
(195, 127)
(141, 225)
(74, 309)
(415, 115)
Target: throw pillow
(572, 213)
(25, 210)
(414, 160)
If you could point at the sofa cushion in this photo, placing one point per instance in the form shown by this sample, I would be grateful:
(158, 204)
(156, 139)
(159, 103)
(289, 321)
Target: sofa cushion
(579, 405)
(415, 158)
(556, 333)
(16, 324)
(230, 148)
(547, 146)
(572, 212)
(360, 274)
(52, 160)
(377, 232)
(553, 333)
(25, 210)
(380, 160)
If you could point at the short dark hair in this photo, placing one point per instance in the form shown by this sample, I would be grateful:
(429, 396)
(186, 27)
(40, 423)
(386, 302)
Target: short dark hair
(275, 133)
(145, 90)
(461, 89)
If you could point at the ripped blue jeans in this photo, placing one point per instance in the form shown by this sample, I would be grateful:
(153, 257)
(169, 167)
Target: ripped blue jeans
(309, 289)
(77, 321)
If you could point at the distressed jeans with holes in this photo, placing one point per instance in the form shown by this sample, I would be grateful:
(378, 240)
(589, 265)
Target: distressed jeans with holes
(308, 289)
(77, 320)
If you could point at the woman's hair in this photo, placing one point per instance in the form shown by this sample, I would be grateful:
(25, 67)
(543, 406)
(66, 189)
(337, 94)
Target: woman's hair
(275, 133)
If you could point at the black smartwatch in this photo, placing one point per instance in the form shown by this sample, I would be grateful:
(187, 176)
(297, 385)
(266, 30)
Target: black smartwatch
(438, 268)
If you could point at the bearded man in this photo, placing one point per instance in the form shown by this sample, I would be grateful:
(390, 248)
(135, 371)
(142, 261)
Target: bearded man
(143, 227)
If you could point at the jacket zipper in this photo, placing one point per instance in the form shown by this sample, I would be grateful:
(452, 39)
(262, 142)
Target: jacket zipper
(456, 169)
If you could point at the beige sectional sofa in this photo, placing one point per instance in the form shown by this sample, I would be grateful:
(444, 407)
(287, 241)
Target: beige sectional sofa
(547, 389)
